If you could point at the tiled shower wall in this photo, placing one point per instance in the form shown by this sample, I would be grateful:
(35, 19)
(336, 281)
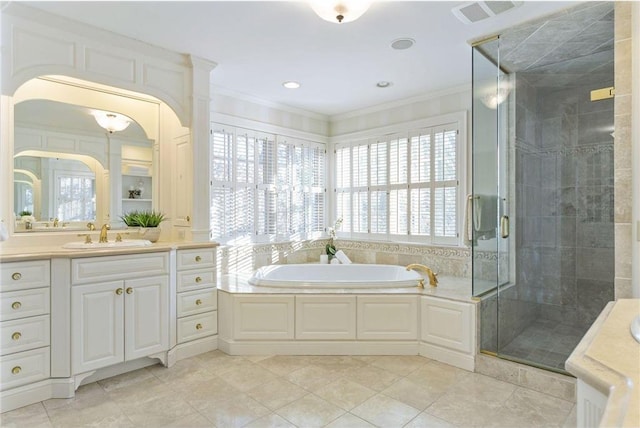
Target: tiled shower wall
(564, 180)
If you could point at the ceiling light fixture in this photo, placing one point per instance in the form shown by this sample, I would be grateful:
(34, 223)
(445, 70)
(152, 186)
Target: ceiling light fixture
(401, 44)
(383, 84)
(496, 98)
(112, 122)
(291, 84)
(340, 11)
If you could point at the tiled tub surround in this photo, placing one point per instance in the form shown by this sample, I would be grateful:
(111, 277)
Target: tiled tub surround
(446, 261)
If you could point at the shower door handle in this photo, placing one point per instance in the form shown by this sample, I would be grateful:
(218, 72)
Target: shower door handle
(504, 226)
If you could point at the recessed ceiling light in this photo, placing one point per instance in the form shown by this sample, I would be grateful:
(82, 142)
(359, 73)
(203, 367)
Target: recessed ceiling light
(383, 84)
(291, 84)
(401, 44)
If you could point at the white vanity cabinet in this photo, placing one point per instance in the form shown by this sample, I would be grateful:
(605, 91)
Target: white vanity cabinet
(197, 298)
(24, 323)
(120, 319)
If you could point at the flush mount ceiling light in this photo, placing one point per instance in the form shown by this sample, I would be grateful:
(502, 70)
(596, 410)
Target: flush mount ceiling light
(401, 44)
(383, 84)
(291, 84)
(340, 11)
(494, 99)
(112, 122)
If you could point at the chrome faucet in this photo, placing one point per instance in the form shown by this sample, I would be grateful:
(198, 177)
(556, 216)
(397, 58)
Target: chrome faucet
(103, 233)
(55, 222)
(433, 277)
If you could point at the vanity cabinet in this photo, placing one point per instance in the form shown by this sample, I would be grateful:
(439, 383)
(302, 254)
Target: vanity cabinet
(121, 319)
(197, 298)
(24, 323)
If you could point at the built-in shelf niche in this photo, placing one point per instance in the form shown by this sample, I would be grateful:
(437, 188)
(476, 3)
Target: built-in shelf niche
(137, 176)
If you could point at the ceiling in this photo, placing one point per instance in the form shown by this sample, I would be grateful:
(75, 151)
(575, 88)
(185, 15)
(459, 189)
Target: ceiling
(259, 45)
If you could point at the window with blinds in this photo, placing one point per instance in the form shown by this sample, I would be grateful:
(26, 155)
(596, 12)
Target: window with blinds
(401, 185)
(265, 187)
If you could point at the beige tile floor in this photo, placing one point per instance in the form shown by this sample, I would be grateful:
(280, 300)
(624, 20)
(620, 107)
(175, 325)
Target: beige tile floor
(215, 389)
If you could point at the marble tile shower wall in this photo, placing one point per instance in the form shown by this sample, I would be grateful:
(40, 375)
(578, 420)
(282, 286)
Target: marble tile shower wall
(447, 261)
(564, 181)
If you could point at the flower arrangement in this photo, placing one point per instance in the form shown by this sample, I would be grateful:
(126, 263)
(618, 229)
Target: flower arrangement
(330, 248)
(146, 218)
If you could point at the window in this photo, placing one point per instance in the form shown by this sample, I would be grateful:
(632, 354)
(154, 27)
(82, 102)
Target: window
(401, 185)
(265, 187)
(76, 199)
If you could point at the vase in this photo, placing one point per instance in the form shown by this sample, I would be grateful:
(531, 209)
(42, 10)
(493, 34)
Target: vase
(150, 233)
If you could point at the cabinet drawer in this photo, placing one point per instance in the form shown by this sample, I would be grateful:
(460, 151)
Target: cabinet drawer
(23, 275)
(196, 279)
(24, 367)
(196, 302)
(191, 259)
(197, 326)
(24, 334)
(108, 268)
(27, 303)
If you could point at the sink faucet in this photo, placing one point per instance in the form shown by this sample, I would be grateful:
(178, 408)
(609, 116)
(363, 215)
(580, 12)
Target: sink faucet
(103, 233)
(433, 280)
(55, 222)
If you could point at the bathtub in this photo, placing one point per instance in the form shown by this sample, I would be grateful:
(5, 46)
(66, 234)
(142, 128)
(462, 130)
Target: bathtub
(334, 276)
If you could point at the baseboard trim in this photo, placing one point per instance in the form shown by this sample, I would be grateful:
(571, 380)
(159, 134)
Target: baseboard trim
(193, 348)
(24, 395)
(448, 356)
(283, 347)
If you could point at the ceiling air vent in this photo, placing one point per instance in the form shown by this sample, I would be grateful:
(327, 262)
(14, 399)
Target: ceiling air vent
(479, 10)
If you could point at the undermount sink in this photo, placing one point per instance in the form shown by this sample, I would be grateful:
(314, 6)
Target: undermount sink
(113, 244)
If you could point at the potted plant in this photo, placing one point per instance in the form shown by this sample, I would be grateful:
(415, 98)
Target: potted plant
(147, 220)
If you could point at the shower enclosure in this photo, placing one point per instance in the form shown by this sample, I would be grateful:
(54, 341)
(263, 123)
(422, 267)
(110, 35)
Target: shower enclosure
(541, 224)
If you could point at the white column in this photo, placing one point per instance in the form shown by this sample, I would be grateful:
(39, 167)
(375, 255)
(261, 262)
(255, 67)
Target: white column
(200, 106)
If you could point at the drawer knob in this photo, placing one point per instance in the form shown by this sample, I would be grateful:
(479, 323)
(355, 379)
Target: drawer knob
(16, 370)
(129, 290)
(198, 279)
(198, 258)
(16, 336)
(198, 326)
(16, 305)
(119, 291)
(16, 276)
(198, 302)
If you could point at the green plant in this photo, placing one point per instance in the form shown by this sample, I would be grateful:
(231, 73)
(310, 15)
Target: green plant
(147, 218)
(25, 213)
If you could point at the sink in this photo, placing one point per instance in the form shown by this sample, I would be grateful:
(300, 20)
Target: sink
(635, 328)
(113, 244)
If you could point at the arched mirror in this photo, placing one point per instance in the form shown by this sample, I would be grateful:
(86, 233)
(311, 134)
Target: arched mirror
(68, 169)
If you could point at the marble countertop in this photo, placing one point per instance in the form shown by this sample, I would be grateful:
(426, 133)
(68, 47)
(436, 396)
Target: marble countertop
(449, 287)
(19, 254)
(608, 359)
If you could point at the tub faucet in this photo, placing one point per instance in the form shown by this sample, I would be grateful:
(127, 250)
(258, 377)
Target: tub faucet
(433, 277)
(55, 222)
(91, 226)
(103, 233)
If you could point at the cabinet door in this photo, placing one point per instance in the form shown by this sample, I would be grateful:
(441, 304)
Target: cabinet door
(146, 316)
(183, 180)
(97, 314)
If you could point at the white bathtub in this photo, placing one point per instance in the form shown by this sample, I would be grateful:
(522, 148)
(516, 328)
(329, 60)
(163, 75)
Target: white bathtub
(334, 276)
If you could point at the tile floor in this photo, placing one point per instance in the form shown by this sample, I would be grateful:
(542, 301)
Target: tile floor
(215, 389)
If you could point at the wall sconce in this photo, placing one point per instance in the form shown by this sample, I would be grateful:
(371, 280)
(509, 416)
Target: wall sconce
(112, 122)
(340, 11)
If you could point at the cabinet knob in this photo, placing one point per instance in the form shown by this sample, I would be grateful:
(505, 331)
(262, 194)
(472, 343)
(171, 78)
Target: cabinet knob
(198, 279)
(198, 326)
(198, 302)
(119, 291)
(16, 276)
(198, 258)
(16, 370)
(188, 218)
(16, 305)
(129, 290)
(16, 336)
